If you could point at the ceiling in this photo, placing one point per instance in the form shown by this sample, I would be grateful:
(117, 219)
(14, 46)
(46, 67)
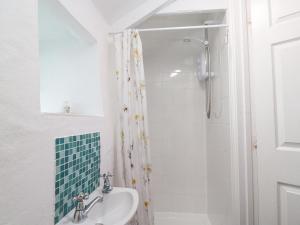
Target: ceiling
(185, 19)
(112, 10)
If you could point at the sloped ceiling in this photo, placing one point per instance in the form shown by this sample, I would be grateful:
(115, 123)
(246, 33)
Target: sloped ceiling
(112, 10)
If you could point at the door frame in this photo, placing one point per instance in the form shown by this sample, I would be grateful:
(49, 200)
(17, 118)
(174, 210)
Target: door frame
(255, 189)
(243, 157)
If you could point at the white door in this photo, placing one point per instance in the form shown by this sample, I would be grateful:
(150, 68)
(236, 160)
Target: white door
(276, 92)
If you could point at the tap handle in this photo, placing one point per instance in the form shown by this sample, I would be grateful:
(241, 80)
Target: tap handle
(106, 175)
(81, 197)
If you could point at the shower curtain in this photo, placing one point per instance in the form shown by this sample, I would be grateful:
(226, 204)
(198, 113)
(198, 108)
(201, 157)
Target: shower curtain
(133, 166)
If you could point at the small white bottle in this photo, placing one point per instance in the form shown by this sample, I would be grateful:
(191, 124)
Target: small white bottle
(67, 107)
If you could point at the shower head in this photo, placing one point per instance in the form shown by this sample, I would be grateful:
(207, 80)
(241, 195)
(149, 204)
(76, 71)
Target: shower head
(191, 39)
(207, 23)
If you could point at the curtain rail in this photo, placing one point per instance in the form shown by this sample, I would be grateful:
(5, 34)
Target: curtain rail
(178, 28)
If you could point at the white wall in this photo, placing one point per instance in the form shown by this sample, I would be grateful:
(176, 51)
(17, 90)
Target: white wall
(180, 6)
(218, 135)
(176, 123)
(27, 165)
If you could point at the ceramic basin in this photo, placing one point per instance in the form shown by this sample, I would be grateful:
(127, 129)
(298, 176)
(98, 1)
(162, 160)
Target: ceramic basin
(117, 208)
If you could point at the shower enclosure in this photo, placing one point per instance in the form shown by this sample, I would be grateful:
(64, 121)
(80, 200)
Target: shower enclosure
(187, 92)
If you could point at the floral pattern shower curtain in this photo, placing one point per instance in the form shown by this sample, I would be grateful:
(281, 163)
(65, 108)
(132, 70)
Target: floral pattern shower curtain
(133, 166)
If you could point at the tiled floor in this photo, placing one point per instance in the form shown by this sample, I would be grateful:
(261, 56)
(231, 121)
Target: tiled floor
(167, 218)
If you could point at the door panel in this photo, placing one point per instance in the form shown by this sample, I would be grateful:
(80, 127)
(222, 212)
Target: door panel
(284, 9)
(276, 92)
(286, 69)
(289, 204)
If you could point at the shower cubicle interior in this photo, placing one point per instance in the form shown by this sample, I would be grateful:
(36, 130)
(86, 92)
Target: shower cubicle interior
(190, 153)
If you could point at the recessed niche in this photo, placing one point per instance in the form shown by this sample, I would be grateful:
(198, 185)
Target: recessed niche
(69, 73)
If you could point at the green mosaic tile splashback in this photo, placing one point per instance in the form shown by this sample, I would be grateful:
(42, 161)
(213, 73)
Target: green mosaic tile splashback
(77, 170)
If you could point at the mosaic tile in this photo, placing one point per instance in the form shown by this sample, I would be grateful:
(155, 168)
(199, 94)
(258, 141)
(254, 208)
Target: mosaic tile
(77, 160)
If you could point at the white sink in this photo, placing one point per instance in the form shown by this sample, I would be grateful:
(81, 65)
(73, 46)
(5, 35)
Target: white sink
(117, 208)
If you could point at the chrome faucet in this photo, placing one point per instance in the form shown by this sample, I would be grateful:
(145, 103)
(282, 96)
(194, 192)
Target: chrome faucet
(82, 210)
(107, 186)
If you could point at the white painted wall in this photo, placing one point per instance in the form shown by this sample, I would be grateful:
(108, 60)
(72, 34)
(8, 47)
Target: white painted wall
(113, 10)
(27, 165)
(218, 135)
(180, 6)
(177, 124)
(138, 14)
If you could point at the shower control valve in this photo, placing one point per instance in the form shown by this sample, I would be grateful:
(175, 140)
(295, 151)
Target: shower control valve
(107, 186)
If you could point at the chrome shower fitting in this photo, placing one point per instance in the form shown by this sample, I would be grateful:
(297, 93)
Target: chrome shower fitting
(208, 76)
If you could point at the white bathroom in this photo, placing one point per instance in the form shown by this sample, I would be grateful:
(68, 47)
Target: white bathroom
(149, 112)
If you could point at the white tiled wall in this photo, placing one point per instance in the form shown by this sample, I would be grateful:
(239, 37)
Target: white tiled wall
(190, 154)
(177, 128)
(218, 131)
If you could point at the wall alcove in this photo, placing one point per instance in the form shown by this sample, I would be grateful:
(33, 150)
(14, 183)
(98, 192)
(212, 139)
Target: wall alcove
(69, 66)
